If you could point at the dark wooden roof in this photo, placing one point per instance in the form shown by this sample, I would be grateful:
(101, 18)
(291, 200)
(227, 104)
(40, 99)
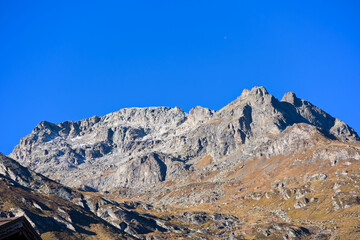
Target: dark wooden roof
(17, 228)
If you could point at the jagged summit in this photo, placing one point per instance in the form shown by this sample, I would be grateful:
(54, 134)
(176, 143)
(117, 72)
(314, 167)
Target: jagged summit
(290, 97)
(261, 91)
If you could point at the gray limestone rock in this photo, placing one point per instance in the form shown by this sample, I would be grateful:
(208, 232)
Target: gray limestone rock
(319, 118)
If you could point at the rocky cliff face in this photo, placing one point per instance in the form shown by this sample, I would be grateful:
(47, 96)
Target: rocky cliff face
(137, 147)
(256, 168)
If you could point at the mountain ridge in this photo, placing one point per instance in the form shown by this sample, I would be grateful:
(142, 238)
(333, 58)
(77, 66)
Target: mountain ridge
(121, 134)
(284, 169)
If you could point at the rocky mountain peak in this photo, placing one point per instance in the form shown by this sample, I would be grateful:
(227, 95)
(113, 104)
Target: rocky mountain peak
(291, 98)
(260, 91)
(255, 94)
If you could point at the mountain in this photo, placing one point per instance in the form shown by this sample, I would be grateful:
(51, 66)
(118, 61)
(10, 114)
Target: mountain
(256, 168)
(137, 147)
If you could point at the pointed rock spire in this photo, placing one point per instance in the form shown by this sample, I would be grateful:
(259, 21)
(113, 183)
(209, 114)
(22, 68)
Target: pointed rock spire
(290, 97)
(259, 91)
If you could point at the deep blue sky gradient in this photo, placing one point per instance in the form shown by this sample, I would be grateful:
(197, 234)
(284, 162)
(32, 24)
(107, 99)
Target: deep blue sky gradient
(71, 60)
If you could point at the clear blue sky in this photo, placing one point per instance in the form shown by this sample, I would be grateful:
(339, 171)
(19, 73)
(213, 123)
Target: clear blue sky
(69, 60)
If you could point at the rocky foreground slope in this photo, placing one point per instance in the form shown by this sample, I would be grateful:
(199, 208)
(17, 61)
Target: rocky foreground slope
(60, 212)
(257, 168)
